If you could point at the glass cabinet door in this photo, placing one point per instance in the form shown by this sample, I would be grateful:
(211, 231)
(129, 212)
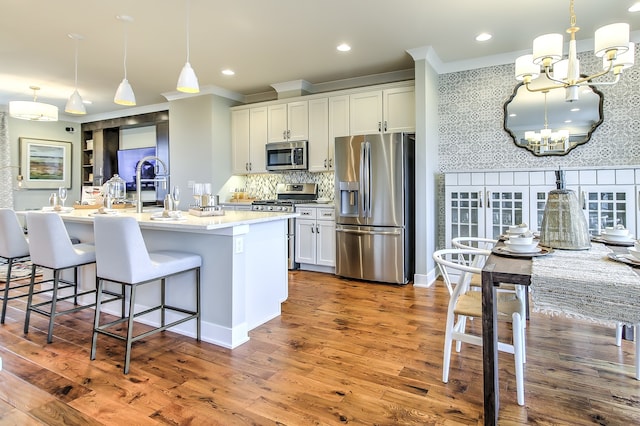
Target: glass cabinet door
(465, 212)
(606, 206)
(506, 207)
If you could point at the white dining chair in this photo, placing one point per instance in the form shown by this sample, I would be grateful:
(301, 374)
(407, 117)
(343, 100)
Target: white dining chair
(465, 303)
(483, 243)
(51, 248)
(122, 257)
(14, 247)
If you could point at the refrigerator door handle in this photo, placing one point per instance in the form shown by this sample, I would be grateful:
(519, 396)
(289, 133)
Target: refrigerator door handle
(362, 232)
(367, 179)
(363, 188)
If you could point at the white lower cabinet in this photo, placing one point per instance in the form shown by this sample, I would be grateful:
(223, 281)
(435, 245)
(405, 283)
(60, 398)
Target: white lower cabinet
(315, 238)
(485, 211)
(607, 198)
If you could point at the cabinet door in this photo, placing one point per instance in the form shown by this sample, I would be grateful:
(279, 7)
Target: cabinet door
(399, 110)
(240, 141)
(305, 242)
(258, 139)
(505, 206)
(609, 205)
(277, 123)
(465, 212)
(326, 243)
(338, 123)
(298, 121)
(318, 134)
(365, 113)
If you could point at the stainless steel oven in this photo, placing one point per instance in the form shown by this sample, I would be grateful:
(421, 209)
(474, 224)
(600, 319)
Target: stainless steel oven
(287, 195)
(282, 156)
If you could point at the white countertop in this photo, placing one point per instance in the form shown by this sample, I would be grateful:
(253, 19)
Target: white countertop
(187, 222)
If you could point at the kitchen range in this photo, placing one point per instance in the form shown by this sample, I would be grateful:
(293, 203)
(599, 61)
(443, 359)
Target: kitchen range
(287, 195)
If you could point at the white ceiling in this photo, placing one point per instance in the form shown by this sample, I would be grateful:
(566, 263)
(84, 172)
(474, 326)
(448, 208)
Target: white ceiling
(264, 41)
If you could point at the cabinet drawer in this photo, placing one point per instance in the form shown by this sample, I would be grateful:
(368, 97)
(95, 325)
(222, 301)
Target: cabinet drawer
(326, 214)
(306, 212)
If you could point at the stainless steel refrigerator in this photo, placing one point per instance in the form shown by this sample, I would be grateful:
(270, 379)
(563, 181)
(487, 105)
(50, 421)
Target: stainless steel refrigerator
(374, 184)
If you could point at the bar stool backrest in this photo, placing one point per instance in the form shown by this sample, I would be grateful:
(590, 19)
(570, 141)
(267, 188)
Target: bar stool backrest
(12, 240)
(49, 242)
(121, 252)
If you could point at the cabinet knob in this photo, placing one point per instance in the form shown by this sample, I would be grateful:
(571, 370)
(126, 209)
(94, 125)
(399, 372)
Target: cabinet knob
(385, 126)
(379, 126)
(325, 163)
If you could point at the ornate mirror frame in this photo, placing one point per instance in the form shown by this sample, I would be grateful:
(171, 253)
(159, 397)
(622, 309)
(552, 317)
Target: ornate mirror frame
(530, 112)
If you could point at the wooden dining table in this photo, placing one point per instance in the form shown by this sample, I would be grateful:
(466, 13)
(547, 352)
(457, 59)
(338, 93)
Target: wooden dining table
(499, 269)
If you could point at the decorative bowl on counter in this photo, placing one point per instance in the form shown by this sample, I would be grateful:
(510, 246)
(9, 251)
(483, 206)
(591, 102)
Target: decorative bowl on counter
(524, 238)
(616, 230)
(518, 229)
(617, 236)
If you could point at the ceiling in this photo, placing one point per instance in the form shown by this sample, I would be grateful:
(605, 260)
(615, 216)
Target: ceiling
(264, 42)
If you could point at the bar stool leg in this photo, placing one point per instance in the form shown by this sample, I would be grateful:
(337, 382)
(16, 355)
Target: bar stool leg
(75, 285)
(6, 291)
(198, 325)
(127, 353)
(96, 319)
(27, 316)
(54, 301)
(162, 301)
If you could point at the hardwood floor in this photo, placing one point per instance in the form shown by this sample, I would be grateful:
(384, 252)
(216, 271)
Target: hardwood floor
(343, 352)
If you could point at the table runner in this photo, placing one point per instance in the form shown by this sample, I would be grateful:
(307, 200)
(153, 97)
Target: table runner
(586, 284)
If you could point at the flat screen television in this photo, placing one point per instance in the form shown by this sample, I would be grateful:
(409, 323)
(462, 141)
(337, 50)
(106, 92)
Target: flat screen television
(128, 160)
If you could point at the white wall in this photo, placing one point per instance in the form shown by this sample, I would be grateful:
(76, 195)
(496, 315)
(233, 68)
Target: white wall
(200, 141)
(37, 198)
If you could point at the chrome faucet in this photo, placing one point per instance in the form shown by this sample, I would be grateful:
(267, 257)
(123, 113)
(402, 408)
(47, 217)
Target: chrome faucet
(158, 178)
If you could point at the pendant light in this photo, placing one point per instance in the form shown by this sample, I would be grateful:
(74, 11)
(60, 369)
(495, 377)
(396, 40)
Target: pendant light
(188, 82)
(124, 94)
(75, 104)
(34, 111)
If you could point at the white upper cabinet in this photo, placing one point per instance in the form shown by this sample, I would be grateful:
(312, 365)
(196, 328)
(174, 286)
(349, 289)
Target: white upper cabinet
(240, 141)
(318, 135)
(248, 138)
(288, 122)
(382, 111)
(338, 123)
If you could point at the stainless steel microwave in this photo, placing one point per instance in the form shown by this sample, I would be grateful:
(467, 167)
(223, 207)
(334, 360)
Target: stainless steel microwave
(282, 156)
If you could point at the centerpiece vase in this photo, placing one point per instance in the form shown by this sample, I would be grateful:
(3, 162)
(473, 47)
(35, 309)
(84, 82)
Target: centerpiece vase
(564, 225)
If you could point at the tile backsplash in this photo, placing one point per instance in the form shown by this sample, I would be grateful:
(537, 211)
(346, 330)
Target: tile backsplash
(263, 186)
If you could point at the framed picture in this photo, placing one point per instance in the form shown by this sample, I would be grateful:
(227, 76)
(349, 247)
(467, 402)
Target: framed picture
(45, 164)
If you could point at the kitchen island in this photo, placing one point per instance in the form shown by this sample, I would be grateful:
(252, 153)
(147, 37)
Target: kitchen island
(244, 267)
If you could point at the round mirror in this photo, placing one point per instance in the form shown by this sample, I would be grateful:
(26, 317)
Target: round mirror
(546, 124)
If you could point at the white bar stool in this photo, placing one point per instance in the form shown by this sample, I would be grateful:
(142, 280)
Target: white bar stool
(14, 247)
(51, 248)
(122, 257)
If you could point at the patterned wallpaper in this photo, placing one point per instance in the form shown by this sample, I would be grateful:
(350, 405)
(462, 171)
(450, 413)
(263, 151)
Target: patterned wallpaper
(471, 119)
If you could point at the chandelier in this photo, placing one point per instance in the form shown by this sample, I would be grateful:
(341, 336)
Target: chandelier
(547, 139)
(611, 44)
(33, 110)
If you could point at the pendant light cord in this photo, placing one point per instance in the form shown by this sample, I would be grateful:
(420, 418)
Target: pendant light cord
(188, 26)
(125, 51)
(76, 79)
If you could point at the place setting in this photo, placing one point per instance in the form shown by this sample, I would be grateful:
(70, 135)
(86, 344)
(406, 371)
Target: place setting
(615, 236)
(56, 202)
(519, 241)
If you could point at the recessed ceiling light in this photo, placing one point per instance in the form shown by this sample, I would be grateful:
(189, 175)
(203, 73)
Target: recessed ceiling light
(575, 109)
(344, 47)
(513, 115)
(635, 7)
(567, 121)
(483, 37)
(228, 72)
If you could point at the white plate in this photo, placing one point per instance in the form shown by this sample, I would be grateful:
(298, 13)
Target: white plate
(168, 219)
(62, 209)
(522, 248)
(634, 254)
(106, 212)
